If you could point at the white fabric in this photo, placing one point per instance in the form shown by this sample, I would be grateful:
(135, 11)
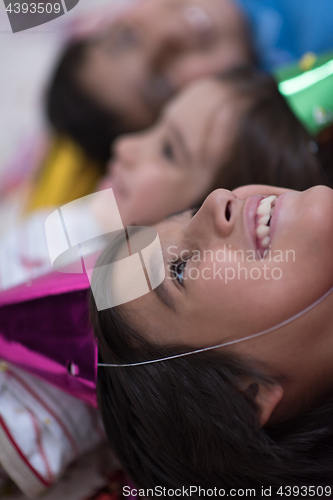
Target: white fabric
(24, 253)
(42, 430)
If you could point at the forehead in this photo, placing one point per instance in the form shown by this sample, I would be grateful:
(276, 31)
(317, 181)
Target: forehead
(201, 97)
(206, 112)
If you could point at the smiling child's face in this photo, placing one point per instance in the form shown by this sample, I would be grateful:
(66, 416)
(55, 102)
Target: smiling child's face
(172, 166)
(223, 287)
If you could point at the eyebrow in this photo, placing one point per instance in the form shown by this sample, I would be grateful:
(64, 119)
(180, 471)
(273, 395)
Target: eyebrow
(161, 291)
(182, 144)
(163, 294)
(106, 38)
(205, 145)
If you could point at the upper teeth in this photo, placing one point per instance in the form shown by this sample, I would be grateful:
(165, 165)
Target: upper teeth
(264, 212)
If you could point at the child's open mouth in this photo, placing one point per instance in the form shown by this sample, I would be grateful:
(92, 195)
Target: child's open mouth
(264, 215)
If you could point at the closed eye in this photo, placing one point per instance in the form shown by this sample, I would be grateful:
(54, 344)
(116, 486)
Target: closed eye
(178, 265)
(168, 151)
(125, 38)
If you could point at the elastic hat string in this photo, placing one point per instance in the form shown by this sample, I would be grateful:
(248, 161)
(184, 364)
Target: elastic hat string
(232, 342)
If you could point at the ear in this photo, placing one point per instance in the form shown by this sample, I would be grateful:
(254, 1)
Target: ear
(267, 398)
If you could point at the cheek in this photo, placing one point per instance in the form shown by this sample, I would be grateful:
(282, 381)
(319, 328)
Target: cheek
(230, 53)
(189, 67)
(247, 298)
(156, 181)
(197, 64)
(155, 195)
(307, 229)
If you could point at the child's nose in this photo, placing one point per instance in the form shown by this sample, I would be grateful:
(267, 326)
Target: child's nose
(126, 150)
(217, 215)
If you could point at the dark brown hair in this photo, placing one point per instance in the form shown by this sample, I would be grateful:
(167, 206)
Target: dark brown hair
(271, 146)
(187, 422)
(72, 112)
(325, 151)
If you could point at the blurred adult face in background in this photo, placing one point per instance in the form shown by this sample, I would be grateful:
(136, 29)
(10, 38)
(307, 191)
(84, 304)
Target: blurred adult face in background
(157, 47)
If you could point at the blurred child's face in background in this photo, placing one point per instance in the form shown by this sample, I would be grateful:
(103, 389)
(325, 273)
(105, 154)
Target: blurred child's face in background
(173, 165)
(158, 47)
